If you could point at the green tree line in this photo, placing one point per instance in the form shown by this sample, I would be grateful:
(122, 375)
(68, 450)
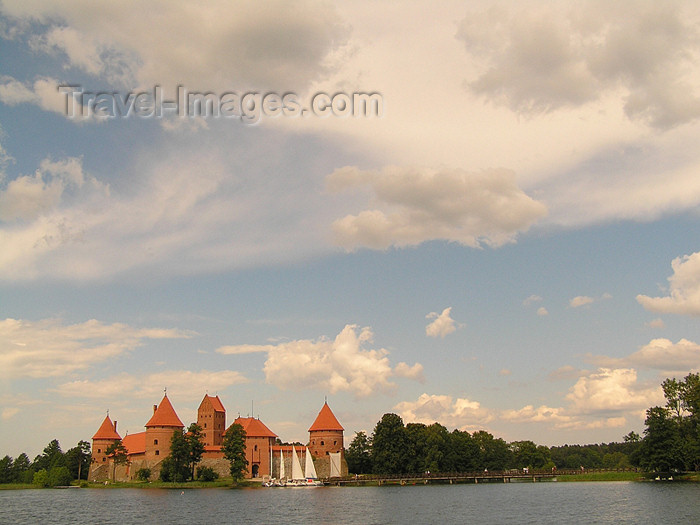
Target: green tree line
(671, 443)
(51, 468)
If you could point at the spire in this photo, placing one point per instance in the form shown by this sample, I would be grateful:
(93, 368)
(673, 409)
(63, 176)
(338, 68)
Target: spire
(326, 420)
(107, 430)
(165, 415)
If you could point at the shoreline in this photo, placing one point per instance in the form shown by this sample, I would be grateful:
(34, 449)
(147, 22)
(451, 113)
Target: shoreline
(227, 484)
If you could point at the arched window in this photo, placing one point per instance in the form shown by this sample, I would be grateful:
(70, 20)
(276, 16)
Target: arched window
(157, 452)
(322, 443)
(155, 441)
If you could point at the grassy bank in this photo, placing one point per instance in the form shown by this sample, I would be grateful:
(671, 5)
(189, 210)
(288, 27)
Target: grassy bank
(605, 476)
(220, 483)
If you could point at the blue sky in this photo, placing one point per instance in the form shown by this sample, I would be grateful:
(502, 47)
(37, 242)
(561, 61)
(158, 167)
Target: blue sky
(511, 245)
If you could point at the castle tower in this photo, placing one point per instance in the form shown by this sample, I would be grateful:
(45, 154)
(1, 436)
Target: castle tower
(326, 434)
(105, 436)
(258, 443)
(211, 417)
(159, 431)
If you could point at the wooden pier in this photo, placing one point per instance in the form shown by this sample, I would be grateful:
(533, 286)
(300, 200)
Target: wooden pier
(508, 476)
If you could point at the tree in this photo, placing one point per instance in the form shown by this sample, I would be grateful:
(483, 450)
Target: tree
(207, 474)
(52, 456)
(632, 437)
(21, 469)
(359, 454)
(41, 478)
(6, 470)
(143, 474)
(494, 454)
(389, 442)
(233, 447)
(660, 447)
(119, 455)
(176, 467)
(59, 477)
(78, 460)
(528, 454)
(463, 452)
(672, 434)
(195, 446)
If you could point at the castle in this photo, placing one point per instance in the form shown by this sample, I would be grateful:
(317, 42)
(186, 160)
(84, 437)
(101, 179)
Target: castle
(149, 448)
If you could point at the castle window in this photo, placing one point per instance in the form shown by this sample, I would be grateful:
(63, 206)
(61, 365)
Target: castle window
(104, 459)
(256, 448)
(99, 451)
(157, 452)
(155, 441)
(205, 425)
(322, 443)
(335, 442)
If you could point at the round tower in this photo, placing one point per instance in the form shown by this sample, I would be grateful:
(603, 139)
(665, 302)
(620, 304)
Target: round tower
(159, 431)
(105, 436)
(326, 434)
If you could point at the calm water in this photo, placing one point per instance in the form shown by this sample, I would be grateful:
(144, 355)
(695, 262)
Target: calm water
(589, 502)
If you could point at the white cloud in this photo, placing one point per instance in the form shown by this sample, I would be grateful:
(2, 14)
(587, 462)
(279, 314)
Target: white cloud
(611, 391)
(459, 413)
(49, 348)
(186, 385)
(168, 220)
(656, 323)
(580, 300)
(542, 311)
(13, 92)
(418, 205)
(334, 366)
(8, 413)
(43, 93)
(442, 325)
(658, 354)
(414, 372)
(215, 46)
(532, 299)
(542, 58)
(540, 414)
(684, 289)
(583, 300)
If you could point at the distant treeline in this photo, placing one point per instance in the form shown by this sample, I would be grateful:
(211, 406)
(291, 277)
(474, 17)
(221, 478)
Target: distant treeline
(395, 448)
(671, 443)
(51, 468)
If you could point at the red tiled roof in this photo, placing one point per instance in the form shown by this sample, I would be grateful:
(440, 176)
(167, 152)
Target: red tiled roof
(215, 403)
(106, 430)
(135, 443)
(165, 416)
(326, 420)
(254, 427)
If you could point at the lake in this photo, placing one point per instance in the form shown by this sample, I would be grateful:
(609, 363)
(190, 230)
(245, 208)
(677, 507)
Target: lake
(544, 502)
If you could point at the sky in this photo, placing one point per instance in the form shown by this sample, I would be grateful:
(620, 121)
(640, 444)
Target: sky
(483, 214)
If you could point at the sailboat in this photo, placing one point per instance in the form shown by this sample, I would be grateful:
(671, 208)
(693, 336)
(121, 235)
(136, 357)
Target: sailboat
(280, 481)
(298, 477)
(297, 473)
(311, 477)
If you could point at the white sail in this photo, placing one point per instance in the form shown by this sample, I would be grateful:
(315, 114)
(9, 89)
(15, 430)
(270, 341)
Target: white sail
(296, 466)
(335, 464)
(281, 465)
(310, 469)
